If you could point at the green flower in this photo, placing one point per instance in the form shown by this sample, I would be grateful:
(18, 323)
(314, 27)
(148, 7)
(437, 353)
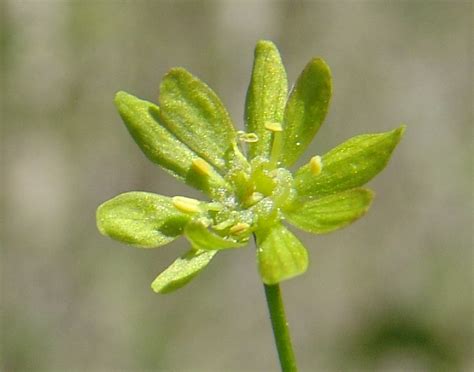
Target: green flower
(191, 135)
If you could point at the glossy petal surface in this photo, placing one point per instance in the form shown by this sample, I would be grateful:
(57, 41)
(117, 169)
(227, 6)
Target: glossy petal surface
(182, 271)
(349, 165)
(141, 219)
(330, 212)
(266, 96)
(305, 110)
(193, 112)
(280, 255)
(142, 119)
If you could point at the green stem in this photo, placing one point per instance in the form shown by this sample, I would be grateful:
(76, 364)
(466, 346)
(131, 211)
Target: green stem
(281, 331)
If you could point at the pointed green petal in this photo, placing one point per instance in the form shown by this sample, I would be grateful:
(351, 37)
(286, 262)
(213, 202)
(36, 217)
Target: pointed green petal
(182, 271)
(305, 110)
(163, 148)
(201, 238)
(141, 219)
(331, 212)
(266, 96)
(194, 113)
(280, 255)
(349, 165)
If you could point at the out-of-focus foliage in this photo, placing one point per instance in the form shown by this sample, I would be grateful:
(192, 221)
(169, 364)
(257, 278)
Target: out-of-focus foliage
(397, 298)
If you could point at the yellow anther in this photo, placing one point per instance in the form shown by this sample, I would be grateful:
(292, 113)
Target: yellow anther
(247, 137)
(202, 167)
(316, 165)
(238, 228)
(274, 127)
(186, 205)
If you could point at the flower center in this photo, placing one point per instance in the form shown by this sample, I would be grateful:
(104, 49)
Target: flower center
(260, 191)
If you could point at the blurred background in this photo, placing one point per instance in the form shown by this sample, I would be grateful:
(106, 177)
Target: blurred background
(393, 292)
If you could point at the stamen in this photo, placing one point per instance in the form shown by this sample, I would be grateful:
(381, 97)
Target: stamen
(186, 205)
(201, 167)
(276, 129)
(223, 225)
(238, 228)
(246, 137)
(316, 165)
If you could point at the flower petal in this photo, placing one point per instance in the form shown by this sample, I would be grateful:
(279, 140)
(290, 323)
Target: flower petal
(331, 212)
(182, 271)
(306, 109)
(201, 238)
(280, 254)
(141, 219)
(349, 165)
(194, 113)
(266, 96)
(163, 148)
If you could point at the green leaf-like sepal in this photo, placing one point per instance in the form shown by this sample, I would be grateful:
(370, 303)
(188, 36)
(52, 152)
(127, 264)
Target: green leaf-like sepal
(143, 121)
(280, 254)
(194, 113)
(331, 212)
(182, 271)
(349, 165)
(266, 96)
(201, 238)
(306, 109)
(141, 219)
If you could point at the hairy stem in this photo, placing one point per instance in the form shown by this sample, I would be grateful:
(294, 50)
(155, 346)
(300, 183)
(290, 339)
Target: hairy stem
(281, 331)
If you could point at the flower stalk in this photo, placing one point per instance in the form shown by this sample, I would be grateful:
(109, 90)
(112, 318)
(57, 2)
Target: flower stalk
(280, 327)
